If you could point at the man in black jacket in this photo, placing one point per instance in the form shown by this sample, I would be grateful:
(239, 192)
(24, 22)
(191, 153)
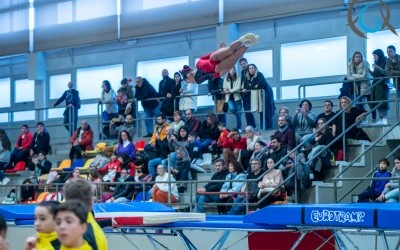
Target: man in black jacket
(166, 90)
(72, 104)
(41, 140)
(221, 174)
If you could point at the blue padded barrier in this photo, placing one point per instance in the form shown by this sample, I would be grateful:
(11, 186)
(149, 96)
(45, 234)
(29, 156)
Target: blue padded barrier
(389, 216)
(277, 215)
(12, 212)
(131, 207)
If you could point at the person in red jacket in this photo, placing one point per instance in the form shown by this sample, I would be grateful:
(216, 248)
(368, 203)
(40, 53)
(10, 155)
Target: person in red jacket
(81, 140)
(111, 170)
(232, 145)
(22, 146)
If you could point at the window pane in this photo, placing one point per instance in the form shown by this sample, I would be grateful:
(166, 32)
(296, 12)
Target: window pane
(5, 93)
(3, 117)
(97, 9)
(151, 70)
(89, 80)
(58, 84)
(316, 58)
(55, 113)
(152, 4)
(88, 109)
(24, 90)
(323, 90)
(263, 61)
(290, 92)
(24, 116)
(381, 40)
(205, 100)
(274, 90)
(64, 12)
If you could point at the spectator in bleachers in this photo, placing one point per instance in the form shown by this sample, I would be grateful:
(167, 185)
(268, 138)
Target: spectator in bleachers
(220, 174)
(232, 146)
(304, 122)
(284, 111)
(42, 166)
(192, 122)
(130, 107)
(125, 145)
(81, 140)
(358, 69)
(232, 84)
(376, 187)
(230, 189)
(277, 151)
(120, 100)
(260, 152)
(162, 191)
(243, 65)
(5, 152)
(22, 146)
(72, 104)
(216, 148)
(166, 90)
(125, 163)
(381, 91)
(178, 122)
(127, 125)
(209, 132)
(215, 88)
(76, 174)
(111, 170)
(123, 192)
(246, 98)
(285, 133)
(40, 141)
(159, 131)
(328, 113)
(182, 166)
(27, 192)
(246, 153)
(391, 191)
(269, 182)
(94, 178)
(189, 87)
(144, 91)
(324, 137)
(177, 87)
(102, 158)
(250, 187)
(162, 150)
(392, 67)
(108, 97)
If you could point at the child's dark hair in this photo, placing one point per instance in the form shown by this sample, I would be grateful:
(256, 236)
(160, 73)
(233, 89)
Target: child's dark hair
(50, 205)
(185, 71)
(385, 160)
(77, 207)
(3, 225)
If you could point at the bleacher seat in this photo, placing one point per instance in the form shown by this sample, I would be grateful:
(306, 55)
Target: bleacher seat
(20, 166)
(40, 198)
(64, 164)
(75, 164)
(98, 148)
(87, 164)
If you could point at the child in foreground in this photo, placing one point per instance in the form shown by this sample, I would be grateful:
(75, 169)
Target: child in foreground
(45, 226)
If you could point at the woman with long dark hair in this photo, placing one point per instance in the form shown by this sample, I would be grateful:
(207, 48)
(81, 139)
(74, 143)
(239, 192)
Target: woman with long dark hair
(108, 97)
(232, 84)
(125, 145)
(381, 91)
(176, 93)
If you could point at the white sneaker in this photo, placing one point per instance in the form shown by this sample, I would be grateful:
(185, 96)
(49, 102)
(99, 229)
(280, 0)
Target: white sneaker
(5, 181)
(384, 121)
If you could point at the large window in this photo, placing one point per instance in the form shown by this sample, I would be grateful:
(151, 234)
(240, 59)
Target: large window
(88, 109)
(23, 116)
(315, 58)
(89, 80)
(24, 90)
(290, 92)
(263, 61)
(3, 117)
(381, 40)
(5, 101)
(55, 113)
(58, 84)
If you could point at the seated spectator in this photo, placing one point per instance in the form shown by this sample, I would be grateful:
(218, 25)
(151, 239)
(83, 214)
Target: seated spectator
(195, 155)
(40, 141)
(162, 150)
(209, 132)
(216, 148)
(42, 166)
(164, 192)
(27, 192)
(94, 178)
(182, 166)
(125, 145)
(182, 137)
(178, 122)
(260, 152)
(304, 122)
(22, 146)
(285, 133)
(270, 181)
(111, 169)
(108, 97)
(125, 163)
(189, 90)
(277, 151)
(251, 140)
(192, 122)
(220, 174)
(5, 150)
(81, 140)
(127, 126)
(123, 192)
(391, 191)
(328, 113)
(251, 189)
(376, 187)
(232, 146)
(232, 84)
(76, 174)
(159, 132)
(102, 158)
(229, 188)
(284, 111)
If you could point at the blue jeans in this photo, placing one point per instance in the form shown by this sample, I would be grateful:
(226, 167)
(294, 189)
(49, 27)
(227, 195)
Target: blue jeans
(236, 107)
(154, 163)
(392, 195)
(247, 107)
(238, 208)
(150, 113)
(203, 199)
(204, 145)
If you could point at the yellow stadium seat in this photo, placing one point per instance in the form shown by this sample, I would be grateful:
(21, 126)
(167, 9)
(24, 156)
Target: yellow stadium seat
(64, 164)
(99, 148)
(40, 198)
(87, 164)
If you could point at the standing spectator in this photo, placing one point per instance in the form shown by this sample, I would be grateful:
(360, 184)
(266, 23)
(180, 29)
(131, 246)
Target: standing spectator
(328, 112)
(40, 141)
(381, 91)
(192, 122)
(161, 190)
(22, 146)
(123, 192)
(392, 67)
(215, 88)
(81, 140)
(178, 122)
(144, 91)
(232, 146)
(130, 104)
(304, 122)
(5, 151)
(127, 126)
(108, 97)
(190, 88)
(72, 104)
(232, 85)
(209, 132)
(358, 69)
(269, 182)
(285, 133)
(125, 145)
(177, 87)
(166, 90)
(243, 65)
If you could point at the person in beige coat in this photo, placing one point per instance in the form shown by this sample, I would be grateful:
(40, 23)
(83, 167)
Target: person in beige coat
(358, 69)
(232, 84)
